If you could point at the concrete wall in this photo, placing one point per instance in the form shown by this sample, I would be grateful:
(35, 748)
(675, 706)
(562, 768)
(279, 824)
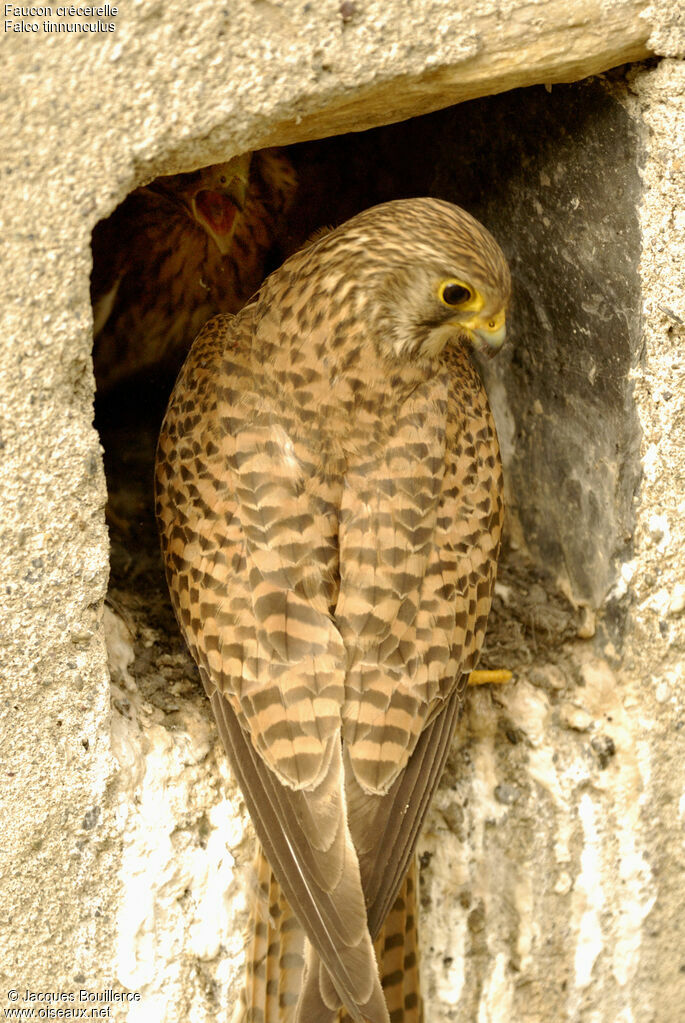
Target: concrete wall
(553, 860)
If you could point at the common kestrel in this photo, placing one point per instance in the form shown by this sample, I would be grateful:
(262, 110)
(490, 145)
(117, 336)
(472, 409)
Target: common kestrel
(178, 251)
(329, 494)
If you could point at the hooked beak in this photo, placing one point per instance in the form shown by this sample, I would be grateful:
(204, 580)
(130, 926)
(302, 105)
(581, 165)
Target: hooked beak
(487, 336)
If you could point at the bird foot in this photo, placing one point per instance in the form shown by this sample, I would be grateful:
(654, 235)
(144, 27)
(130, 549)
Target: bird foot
(481, 678)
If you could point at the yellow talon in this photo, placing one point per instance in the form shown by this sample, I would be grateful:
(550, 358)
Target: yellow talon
(481, 678)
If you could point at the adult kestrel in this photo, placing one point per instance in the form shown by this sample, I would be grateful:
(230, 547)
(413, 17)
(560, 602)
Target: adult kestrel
(329, 495)
(178, 251)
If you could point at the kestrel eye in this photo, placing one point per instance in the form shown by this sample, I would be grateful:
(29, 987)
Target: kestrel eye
(222, 179)
(454, 294)
(491, 324)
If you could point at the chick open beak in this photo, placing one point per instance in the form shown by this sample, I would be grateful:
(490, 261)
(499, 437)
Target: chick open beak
(217, 208)
(487, 335)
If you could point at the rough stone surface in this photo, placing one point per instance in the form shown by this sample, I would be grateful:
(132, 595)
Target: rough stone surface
(568, 186)
(553, 860)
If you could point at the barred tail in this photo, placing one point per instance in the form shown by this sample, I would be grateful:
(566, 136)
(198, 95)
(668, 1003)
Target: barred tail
(274, 972)
(397, 952)
(274, 963)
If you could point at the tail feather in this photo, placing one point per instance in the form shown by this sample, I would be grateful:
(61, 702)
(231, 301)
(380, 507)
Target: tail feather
(275, 956)
(397, 952)
(274, 960)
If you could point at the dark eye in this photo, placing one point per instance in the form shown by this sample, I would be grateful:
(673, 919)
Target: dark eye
(455, 294)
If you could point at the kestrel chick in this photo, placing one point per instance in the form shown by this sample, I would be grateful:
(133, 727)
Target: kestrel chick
(178, 251)
(329, 495)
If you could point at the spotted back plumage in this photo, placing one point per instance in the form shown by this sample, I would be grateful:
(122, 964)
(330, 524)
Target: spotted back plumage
(330, 509)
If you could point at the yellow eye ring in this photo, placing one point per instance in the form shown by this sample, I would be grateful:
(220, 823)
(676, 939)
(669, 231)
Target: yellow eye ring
(456, 294)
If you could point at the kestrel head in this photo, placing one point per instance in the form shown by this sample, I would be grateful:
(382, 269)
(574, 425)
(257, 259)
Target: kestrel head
(433, 273)
(213, 196)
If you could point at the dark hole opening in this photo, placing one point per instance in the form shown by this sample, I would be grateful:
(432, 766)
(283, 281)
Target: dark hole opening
(555, 176)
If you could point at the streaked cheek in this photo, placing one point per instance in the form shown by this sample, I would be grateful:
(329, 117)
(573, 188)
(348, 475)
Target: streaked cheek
(438, 337)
